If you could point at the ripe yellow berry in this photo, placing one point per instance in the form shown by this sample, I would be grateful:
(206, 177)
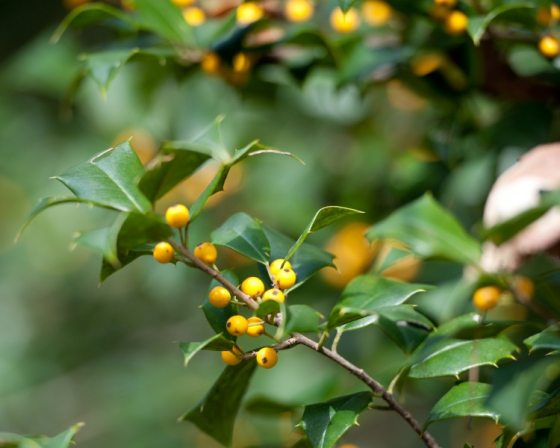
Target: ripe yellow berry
(524, 287)
(274, 294)
(163, 252)
(252, 286)
(376, 12)
(206, 252)
(182, 3)
(219, 297)
(210, 63)
(456, 22)
(177, 216)
(267, 357)
(249, 12)
(345, 22)
(276, 265)
(233, 357)
(255, 326)
(237, 325)
(298, 10)
(286, 278)
(446, 3)
(241, 63)
(486, 298)
(194, 16)
(549, 46)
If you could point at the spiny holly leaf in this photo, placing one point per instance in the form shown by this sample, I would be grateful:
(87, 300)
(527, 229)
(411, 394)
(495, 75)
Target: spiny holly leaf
(62, 440)
(548, 339)
(429, 231)
(217, 343)
(324, 217)
(244, 235)
(451, 357)
(109, 179)
(478, 24)
(368, 294)
(464, 400)
(325, 423)
(215, 414)
(217, 317)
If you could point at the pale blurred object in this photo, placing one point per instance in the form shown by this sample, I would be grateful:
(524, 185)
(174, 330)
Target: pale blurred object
(517, 190)
(141, 141)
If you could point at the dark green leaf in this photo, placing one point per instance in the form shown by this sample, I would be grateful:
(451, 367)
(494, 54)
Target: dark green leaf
(464, 400)
(164, 19)
(109, 179)
(478, 24)
(325, 423)
(266, 406)
(429, 231)
(267, 308)
(215, 415)
(302, 319)
(548, 339)
(405, 326)
(217, 343)
(368, 294)
(216, 185)
(244, 235)
(345, 5)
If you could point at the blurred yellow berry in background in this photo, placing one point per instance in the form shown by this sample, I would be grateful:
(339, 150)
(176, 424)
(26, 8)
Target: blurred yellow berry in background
(298, 10)
(446, 3)
(549, 46)
(142, 142)
(548, 15)
(523, 287)
(182, 3)
(486, 298)
(456, 22)
(404, 267)
(249, 12)
(194, 16)
(345, 22)
(376, 12)
(241, 63)
(424, 64)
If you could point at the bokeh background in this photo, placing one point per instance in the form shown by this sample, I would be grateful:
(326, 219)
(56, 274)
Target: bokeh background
(72, 350)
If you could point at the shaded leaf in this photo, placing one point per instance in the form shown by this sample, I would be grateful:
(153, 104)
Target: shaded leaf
(267, 406)
(217, 343)
(478, 24)
(163, 19)
(547, 339)
(216, 185)
(302, 319)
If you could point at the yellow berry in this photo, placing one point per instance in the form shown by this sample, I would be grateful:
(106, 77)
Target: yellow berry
(345, 22)
(524, 287)
(252, 286)
(267, 357)
(219, 297)
(177, 216)
(298, 10)
(182, 3)
(427, 63)
(274, 294)
(446, 3)
(210, 63)
(255, 326)
(206, 252)
(194, 16)
(486, 298)
(233, 357)
(285, 279)
(236, 325)
(163, 252)
(278, 264)
(376, 12)
(546, 16)
(249, 12)
(241, 63)
(549, 46)
(456, 22)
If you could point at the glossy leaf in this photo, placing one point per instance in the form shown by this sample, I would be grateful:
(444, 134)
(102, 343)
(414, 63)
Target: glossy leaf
(217, 343)
(368, 294)
(405, 326)
(428, 230)
(217, 317)
(245, 235)
(548, 339)
(451, 357)
(109, 179)
(478, 24)
(325, 423)
(467, 399)
(215, 414)
(302, 319)
(216, 185)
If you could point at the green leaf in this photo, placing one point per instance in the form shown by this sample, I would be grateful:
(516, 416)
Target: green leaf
(464, 400)
(163, 19)
(405, 326)
(217, 343)
(368, 294)
(345, 5)
(324, 217)
(302, 319)
(217, 317)
(245, 235)
(451, 357)
(548, 339)
(102, 241)
(216, 185)
(270, 307)
(176, 161)
(478, 24)
(429, 231)
(109, 179)
(64, 439)
(215, 414)
(267, 406)
(325, 423)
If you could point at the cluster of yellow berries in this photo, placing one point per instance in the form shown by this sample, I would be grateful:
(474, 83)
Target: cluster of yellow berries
(548, 16)
(455, 22)
(486, 298)
(373, 12)
(266, 357)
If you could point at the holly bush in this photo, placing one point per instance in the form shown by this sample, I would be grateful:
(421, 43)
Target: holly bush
(485, 343)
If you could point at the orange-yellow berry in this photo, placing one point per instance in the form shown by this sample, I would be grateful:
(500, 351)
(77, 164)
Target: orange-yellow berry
(241, 63)
(182, 3)
(486, 298)
(298, 10)
(267, 357)
(376, 12)
(163, 252)
(524, 287)
(255, 326)
(456, 22)
(345, 22)
(177, 216)
(236, 325)
(210, 63)
(206, 252)
(219, 297)
(286, 278)
(549, 46)
(233, 357)
(194, 16)
(278, 264)
(446, 3)
(252, 286)
(274, 294)
(547, 16)
(249, 12)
